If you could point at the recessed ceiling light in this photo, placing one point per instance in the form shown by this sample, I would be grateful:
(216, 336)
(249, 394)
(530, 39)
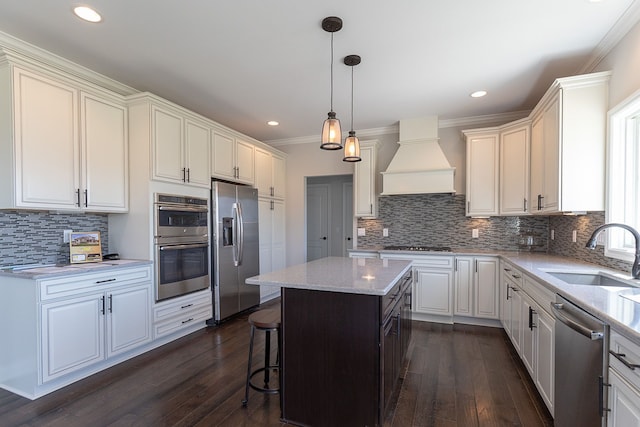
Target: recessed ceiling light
(478, 94)
(273, 123)
(86, 13)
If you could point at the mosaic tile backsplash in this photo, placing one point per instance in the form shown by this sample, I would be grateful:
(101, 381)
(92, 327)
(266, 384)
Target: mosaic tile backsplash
(36, 237)
(439, 220)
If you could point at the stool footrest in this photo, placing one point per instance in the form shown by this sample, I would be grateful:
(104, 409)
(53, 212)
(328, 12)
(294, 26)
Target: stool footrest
(263, 389)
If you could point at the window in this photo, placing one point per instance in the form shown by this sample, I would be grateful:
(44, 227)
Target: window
(623, 201)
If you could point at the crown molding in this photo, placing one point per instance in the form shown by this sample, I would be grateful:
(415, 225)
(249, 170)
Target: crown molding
(628, 20)
(25, 52)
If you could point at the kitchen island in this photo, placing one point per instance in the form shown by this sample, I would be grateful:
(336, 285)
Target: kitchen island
(345, 329)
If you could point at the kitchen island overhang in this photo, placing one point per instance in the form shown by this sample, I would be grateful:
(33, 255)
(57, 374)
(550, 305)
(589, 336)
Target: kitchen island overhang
(345, 328)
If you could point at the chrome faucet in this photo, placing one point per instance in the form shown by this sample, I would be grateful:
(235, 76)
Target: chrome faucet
(591, 244)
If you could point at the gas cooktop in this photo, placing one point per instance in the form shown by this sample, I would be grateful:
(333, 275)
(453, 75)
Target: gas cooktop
(419, 248)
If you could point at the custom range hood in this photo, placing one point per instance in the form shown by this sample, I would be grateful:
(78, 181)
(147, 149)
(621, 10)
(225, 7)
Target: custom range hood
(419, 166)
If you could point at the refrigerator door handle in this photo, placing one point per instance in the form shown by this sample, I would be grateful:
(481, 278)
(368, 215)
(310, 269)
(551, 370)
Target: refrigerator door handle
(241, 235)
(236, 236)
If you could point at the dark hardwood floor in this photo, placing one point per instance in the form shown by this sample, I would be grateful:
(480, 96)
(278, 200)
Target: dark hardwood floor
(457, 375)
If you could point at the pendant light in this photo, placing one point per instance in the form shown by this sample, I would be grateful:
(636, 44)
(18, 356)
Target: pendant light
(351, 143)
(331, 133)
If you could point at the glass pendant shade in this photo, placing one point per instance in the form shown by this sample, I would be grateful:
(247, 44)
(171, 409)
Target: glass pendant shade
(331, 133)
(351, 148)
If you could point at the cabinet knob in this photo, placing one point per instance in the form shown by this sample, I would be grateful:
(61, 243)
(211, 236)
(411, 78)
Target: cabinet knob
(349, 238)
(323, 238)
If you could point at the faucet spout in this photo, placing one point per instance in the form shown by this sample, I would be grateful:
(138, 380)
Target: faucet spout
(591, 244)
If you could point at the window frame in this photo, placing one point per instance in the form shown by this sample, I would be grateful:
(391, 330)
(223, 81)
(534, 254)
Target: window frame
(623, 190)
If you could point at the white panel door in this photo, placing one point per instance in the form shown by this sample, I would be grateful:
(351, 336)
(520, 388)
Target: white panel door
(197, 146)
(536, 190)
(527, 342)
(317, 221)
(223, 156)
(265, 226)
(47, 143)
(364, 183)
(486, 288)
(514, 171)
(624, 402)
(245, 162)
(482, 175)
(105, 168)
(278, 235)
(551, 135)
(168, 149)
(264, 173)
(72, 335)
(279, 166)
(545, 357)
(129, 318)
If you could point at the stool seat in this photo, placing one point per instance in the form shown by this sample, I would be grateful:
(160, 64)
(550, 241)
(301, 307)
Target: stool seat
(265, 319)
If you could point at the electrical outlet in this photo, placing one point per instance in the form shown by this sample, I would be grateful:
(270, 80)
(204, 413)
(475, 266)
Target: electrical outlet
(474, 233)
(66, 236)
(361, 232)
(574, 236)
(385, 232)
(553, 234)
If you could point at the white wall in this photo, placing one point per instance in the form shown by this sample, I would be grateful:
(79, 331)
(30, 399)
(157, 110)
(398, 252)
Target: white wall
(624, 61)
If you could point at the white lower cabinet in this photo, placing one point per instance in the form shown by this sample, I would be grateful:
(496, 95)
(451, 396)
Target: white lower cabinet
(477, 287)
(180, 313)
(434, 291)
(65, 328)
(624, 393)
(524, 316)
(78, 332)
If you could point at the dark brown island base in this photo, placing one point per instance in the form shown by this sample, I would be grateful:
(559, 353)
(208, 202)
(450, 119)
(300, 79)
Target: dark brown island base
(345, 330)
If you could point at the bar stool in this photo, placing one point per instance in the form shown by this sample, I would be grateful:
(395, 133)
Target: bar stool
(267, 321)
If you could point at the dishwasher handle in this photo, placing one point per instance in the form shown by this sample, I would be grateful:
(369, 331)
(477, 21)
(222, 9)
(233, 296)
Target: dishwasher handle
(557, 309)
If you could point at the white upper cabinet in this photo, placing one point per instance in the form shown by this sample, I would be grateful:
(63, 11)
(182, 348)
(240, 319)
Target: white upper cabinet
(364, 178)
(180, 147)
(270, 174)
(482, 172)
(514, 169)
(568, 145)
(63, 145)
(232, 158)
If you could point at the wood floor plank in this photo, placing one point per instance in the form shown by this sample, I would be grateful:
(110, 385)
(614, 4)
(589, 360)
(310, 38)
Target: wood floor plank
(457, 375)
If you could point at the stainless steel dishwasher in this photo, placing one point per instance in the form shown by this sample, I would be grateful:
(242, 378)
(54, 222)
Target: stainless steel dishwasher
(581, 342)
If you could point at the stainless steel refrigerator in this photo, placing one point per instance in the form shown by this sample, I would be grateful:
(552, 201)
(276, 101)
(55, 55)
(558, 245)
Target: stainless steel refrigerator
(235, 252)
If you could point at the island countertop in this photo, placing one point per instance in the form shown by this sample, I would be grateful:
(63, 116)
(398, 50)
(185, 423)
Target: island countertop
(337, 274)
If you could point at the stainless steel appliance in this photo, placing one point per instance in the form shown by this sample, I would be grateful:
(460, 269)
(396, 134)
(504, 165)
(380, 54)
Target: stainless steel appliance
(235, 251)
(581, 342)
(182, 245)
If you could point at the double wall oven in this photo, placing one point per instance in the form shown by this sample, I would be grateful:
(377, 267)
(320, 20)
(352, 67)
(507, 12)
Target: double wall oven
(181, 245)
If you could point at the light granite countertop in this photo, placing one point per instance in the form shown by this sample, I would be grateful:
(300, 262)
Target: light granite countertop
(50, 271)
(338, 274)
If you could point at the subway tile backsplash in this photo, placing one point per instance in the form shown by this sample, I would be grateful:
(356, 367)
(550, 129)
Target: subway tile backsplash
(439, 220)
(37, 237)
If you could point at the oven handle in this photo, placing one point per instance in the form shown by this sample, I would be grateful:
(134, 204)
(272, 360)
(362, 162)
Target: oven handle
(187, 246)
(183, 208)
(557, 308)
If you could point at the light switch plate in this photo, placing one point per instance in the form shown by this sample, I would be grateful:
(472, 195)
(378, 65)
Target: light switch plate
(574, 236)
(553, 234)
(66, 236)
(474, 233)
(361, 232)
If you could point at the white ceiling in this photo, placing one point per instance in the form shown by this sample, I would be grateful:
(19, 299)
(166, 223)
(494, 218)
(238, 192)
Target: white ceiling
(244, 62)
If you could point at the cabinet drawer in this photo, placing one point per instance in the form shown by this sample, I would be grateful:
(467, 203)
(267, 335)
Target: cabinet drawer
(73, 285)
(433, 261)
(188, 318)
(181, 307)
(513, 274)
(621, 345)
(540, 294)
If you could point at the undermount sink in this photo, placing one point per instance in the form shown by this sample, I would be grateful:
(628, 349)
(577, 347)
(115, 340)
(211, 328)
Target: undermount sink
(591, 279)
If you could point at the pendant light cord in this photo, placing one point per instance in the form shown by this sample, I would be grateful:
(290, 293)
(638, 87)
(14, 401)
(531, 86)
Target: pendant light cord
(351, 97)
(331, 71)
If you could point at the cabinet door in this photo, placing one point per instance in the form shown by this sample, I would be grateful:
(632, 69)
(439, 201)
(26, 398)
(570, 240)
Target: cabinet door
(105, 167)
(486, 289)
(72, 335)
(537, 165)
(197, 154)
(128, 318)
(514, 171)
(527, 345)
(551, 136)
(278, 235)
(516, 318)
(46, 142)
(433, 291)
(624, 402)
(168, 147)
(264, 173)
(482, 175)
(545, 359)
(463, 286)
(364, 184)
(223, 160)
(245, 162)
(505, 304)
(279, 174)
